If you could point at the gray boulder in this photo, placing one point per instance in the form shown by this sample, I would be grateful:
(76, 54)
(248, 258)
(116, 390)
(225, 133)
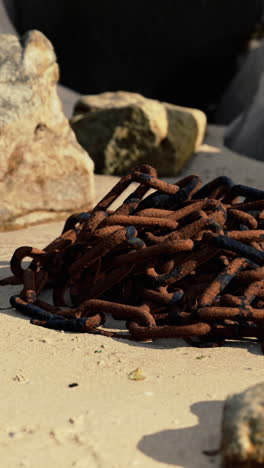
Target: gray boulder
(241, 92)
(243, 429)
(246, 133)
(121, 130)
(6, 27)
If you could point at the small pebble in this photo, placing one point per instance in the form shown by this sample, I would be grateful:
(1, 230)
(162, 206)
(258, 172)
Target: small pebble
(137, 374)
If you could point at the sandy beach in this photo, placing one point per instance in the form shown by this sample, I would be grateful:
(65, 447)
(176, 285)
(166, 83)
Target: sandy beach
(107, 420)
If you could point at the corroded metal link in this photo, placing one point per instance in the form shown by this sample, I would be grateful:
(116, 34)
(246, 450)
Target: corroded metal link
(257, 245)
(208, 189)
(58, 296)
(155, 213)
(63, 241)
(191, 230)
(214, 220)
(155, 183)
(114, 277)
(73, 220)
(72, 325)
(132, 201)
(91, 225)
(252, 291)
(251, 275)
(46, 306)
(140, 314)
(221, 281)
(243, 218)
(193, 261)
(246, 236)
(140, 333)
(188, 186)
(41, 279)
(11, 280)
(122, 185)
(237, 247)
(235, 313)
(103, 232)
(250, 206)
(176, 215)
(229, 300)
(111, 196)
(187, 232)
(162, 296)
(101, 249)
(29, 291)
(248, 192)
(20, 254)
(151, 253)
(142, 221)
(130, 204)
(32, 310)
(187, 210)
(163, 267)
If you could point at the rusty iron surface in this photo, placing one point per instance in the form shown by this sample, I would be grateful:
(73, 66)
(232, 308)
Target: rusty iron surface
(185, 261)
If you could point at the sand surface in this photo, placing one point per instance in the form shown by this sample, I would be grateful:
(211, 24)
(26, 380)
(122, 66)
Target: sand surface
(107, 420)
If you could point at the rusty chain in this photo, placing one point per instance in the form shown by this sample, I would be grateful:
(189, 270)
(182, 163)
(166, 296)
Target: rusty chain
(185, 261)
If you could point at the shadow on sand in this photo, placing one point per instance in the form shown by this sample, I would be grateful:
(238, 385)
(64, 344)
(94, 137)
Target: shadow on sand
(185, 447)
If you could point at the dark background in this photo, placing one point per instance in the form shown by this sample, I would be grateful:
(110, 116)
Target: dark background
(181, 51)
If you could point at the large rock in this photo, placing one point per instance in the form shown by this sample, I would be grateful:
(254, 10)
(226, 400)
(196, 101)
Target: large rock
(243, 429)
(6, 27)
(241, 91)
(180, 51)
(43, 169)
(246, 133)
(121, 130)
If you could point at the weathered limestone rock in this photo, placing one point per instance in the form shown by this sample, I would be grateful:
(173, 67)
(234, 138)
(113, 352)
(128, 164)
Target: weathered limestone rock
(121, 129)
(42, 167)
(243, 429)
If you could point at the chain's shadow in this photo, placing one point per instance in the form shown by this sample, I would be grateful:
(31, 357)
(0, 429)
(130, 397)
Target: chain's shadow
(251, 345)
(185, 447)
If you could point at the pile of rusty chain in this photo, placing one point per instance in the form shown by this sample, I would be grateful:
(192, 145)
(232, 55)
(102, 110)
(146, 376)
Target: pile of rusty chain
(185, 261)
